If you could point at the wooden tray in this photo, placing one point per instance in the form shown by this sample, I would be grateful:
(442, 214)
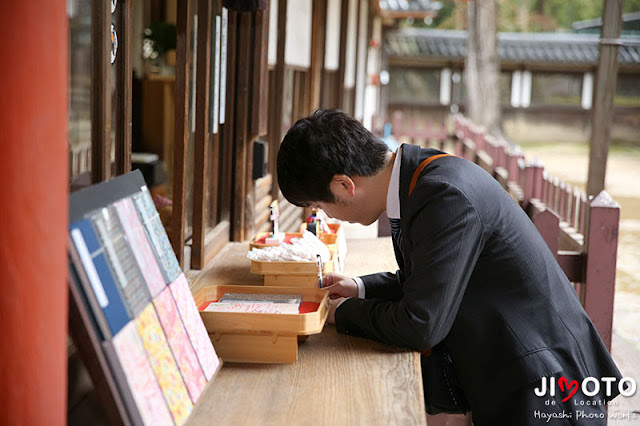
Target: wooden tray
(261, 338)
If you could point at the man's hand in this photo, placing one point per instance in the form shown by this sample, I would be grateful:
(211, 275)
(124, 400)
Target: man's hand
(333, 305)
(339, 286)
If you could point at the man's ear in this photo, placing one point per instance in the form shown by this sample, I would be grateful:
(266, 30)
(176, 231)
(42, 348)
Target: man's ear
(342, 186)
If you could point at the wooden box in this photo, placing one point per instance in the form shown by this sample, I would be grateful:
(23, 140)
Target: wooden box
(261, 338)
(291, 274)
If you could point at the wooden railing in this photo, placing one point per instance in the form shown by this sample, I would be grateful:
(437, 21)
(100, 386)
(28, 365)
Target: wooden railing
(582, 232)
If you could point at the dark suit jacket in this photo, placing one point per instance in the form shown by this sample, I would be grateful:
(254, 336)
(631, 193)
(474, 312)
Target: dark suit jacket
(478, 278)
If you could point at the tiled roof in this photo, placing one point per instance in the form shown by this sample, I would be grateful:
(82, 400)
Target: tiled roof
(538, 48)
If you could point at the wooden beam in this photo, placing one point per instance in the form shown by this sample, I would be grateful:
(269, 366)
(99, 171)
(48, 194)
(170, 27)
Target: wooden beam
(605, 90)
(318, 42)
(123, 88)
(201, 139)
(183, 43)
(101, 91)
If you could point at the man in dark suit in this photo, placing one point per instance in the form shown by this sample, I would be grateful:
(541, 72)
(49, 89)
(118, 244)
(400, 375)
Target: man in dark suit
(478, 291)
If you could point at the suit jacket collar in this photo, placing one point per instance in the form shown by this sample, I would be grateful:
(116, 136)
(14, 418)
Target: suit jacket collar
(412, 156)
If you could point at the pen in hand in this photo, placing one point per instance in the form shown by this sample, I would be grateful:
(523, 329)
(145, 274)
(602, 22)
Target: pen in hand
(319, 265)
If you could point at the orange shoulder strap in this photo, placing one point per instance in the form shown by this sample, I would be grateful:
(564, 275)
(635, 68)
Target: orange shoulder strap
(421, 167)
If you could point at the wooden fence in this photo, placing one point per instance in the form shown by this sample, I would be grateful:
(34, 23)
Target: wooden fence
(581, 232)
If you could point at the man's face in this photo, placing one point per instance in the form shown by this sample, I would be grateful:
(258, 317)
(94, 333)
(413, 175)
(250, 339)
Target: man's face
(348, 211)
(354, 200)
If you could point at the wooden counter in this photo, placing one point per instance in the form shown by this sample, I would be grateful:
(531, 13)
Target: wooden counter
(338, 379)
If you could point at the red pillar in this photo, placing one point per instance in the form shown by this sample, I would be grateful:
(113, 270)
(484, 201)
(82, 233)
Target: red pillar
(33, 212)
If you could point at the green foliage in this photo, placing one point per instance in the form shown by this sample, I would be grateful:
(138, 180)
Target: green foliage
(445, 15)
(631, 6)
(533, 15)
(162, 36)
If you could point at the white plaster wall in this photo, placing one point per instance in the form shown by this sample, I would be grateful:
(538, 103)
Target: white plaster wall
(273, 33)
(297, 49)
(361, 75)
(352, 35)
(332, 27)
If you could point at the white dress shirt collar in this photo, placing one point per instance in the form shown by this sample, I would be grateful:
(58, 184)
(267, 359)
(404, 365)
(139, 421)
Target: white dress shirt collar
(393, 192)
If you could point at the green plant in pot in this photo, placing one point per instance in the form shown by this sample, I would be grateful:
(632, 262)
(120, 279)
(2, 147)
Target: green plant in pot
(159, 39)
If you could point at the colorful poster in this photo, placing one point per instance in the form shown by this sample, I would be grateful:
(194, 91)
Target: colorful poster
(195, 328)
(180, 344)
(126, 271)
(140, 378)
(140, 245)
(157, 235)
(100, 277)
(164, 365)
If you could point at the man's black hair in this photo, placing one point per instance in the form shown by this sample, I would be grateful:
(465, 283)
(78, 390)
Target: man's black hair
(326, 143)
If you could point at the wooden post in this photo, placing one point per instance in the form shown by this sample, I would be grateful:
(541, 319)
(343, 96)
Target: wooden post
(499, 154)
(547, 222)
(278, 106)
(259, 85)
(605, 89)
(101, 91)
(555, 189)
(242, 143)
(568, 205)
(34, 42)
(583, 213)
(513, 156)
(319, 17)
(183, 41)
(123, 88)
(201, 137)
(600, 271)
(227, 134)
(479, 138)
(576, 208)
(545, 187)
(532, 183)
(561, 206)
(342, 60)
